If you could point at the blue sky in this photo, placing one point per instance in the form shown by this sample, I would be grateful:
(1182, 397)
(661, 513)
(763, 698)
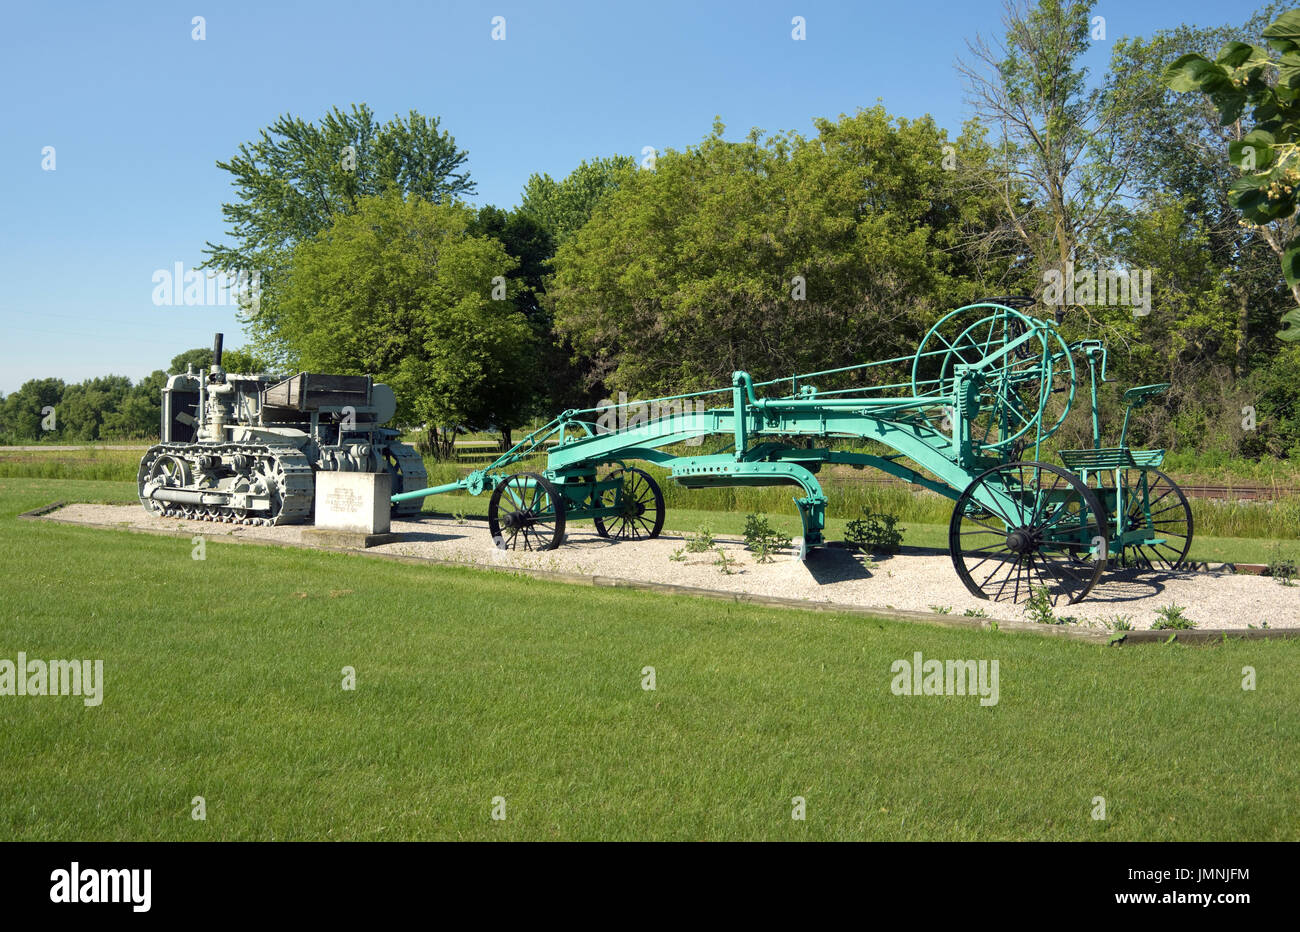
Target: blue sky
(138, 112)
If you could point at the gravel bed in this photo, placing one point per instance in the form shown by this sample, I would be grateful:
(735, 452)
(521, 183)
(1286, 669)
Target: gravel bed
(907, 581)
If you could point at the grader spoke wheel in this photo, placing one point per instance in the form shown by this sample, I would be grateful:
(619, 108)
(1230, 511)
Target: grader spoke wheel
(1020, 527)
(526, 513)
(1019, 359)
(641, 504)
(1155, 502)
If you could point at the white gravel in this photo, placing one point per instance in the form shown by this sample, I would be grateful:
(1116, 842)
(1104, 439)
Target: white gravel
(913, 582)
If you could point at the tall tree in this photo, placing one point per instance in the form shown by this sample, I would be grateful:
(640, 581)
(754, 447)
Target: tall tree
(1058, 167)
(777, 255)
(399, 289)
(298, 177)
(562, 207)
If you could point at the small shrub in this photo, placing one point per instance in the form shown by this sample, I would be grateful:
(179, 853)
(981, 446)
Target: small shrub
(762, 539)
(1283, 569)
(702, 542)
(724, 563)
(1039, 606)
(875, 531)
(1171, 619)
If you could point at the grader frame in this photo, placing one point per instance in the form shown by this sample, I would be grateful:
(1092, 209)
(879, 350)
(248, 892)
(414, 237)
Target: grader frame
(958, 418)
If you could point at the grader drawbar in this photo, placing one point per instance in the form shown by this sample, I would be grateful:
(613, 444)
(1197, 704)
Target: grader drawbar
(988, 384)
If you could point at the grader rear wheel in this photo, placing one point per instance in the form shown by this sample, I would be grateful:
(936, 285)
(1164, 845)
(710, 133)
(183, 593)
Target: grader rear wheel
(526, 513)
(641, 504)
(1020, 526)
(1152, 502)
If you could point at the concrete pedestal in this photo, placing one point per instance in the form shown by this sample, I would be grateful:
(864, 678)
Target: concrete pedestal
(353, 509)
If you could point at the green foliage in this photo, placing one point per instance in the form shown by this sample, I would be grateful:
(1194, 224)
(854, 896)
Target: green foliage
(1120, 623)
(243, 360)
(246, 360)
(762, 538)
(198, 359)
(875, 532)
(941, 609)
(1039, 607)
(975, 613)
(723, 562)
(1283, 568)
(701, 541)
(1247, 76)
(105, 408)
(562, 207)
(297, 178)
(1171, 618)
(399, 289)
(687, 272)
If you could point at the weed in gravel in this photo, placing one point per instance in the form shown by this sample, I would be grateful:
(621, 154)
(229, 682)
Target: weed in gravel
(762, 538)
(1172, 619)
(876, 531)
(1039, 607)
(701, 541)
(724, 563)
(1282, 568)
(975, 613)
(941, 609)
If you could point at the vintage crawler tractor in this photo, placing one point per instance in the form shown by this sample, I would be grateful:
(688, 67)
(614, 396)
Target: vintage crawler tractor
(245, 449)
(964, 416)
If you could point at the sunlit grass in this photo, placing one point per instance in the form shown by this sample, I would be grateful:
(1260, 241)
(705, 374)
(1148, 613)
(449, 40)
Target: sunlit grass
(223, 679)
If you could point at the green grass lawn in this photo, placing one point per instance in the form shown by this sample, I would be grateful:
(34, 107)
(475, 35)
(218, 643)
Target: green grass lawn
(222, 679)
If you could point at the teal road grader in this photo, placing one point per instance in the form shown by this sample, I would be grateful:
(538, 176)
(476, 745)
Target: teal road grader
(965, 416)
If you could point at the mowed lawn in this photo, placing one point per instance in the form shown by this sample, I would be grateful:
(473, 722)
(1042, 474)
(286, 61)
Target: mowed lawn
(223, 680)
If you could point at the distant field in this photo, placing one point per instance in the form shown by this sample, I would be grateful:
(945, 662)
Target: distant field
(1261, 521)
(222, 679)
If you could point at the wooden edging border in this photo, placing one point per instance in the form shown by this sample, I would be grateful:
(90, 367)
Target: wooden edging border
(1089, 635)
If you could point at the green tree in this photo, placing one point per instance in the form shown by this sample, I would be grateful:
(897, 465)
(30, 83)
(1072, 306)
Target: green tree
(139, 413)
(1056, 168)
(562, 207)
(85, 405)
(298, 177)
(777, 255)
(245, 359)
(1188, 161)
(399, 289)
(23, 410)
(199, 359)
(1266, 147)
